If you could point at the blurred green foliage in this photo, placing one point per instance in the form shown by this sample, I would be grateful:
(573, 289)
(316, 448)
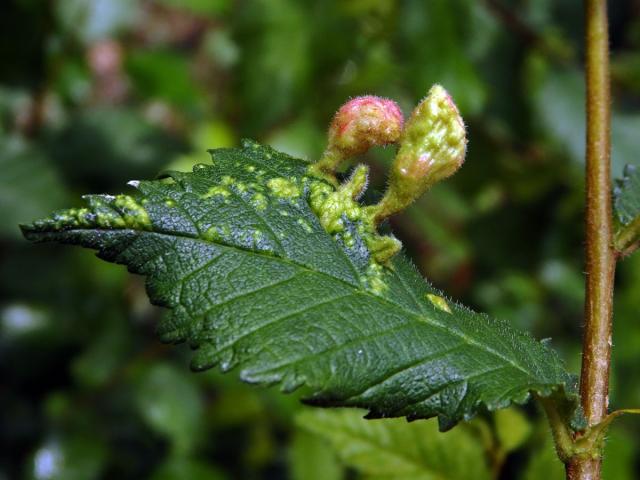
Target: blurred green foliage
(96, 92)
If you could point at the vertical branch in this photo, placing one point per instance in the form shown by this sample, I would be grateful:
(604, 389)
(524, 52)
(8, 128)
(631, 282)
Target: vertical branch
(600, 256)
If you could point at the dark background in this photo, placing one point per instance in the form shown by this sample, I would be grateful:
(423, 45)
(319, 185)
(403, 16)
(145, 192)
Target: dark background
(97, 92)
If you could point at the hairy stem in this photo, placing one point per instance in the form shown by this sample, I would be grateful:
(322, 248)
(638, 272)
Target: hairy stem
(600, 255)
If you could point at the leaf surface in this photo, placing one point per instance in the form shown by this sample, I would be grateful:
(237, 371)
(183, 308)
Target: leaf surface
(311, 458)
(254, 282)
(392, 449)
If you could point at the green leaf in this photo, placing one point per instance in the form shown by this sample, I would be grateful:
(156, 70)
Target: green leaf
(102, 358)
(619, 455)
(29, 186)
(512, 428)
(311, 458)
(182, 468)
(266, 32)
(255, 282)
(164, 74)
(171, 404)
(627, 196)
(544, 463)
(199, 7)
(434, 30)
(104, 145)
(393, 449)
(559, 104)
(627, 209)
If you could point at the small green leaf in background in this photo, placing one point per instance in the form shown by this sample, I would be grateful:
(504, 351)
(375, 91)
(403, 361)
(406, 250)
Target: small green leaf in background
(627, 210)
(254, 281)
(433, 30)
(393, 449)
(171, 404)
(102, 358)
(269, 31)
(199, 7)
(103, 145)
(625, 69)
(29, 185)
(166, 75)
(178, 468)
(618, 461)
(544, 464)
(627, 196)
(559, 103)
(512, 428)
(313, 458)
(212, 134)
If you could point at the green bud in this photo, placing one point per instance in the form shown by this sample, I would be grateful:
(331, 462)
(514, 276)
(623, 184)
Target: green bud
(432, 148)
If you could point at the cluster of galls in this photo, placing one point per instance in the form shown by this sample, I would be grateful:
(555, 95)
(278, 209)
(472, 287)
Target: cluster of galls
(432, 146)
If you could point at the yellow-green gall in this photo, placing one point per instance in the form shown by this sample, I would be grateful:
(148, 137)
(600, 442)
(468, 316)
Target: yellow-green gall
(133, 214)
(283, 188)
(432, 147)
(332, 205)
(438, 302)
(383, 247)
(217, 190)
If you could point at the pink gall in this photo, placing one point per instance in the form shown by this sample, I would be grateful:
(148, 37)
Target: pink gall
(358, 125)
(364, 122)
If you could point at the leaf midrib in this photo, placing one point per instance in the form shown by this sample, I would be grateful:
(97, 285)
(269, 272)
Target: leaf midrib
(267, 226)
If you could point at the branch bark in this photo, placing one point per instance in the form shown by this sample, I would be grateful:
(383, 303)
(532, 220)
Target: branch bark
(600, 254)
